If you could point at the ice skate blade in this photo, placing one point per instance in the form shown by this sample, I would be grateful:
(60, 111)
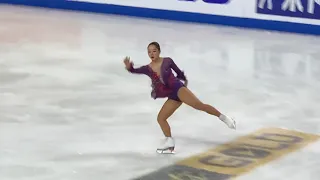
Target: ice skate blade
(159, 151)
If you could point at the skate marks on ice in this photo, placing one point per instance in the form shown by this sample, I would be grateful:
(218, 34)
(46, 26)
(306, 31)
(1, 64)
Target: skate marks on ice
(237, 157)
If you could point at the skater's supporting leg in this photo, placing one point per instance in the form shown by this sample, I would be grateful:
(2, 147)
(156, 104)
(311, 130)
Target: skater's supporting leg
(168, 108)
(186, 96)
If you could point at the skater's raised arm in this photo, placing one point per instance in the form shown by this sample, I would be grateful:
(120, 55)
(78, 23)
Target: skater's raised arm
(130, 68)
(139, 70)
(180, 74)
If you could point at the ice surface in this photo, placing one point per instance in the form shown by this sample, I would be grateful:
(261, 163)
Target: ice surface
(69, 110)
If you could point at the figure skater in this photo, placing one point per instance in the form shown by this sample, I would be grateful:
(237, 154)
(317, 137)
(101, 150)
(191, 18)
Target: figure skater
(166, 85)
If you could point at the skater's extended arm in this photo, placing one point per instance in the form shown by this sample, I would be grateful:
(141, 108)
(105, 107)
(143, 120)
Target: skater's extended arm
(180, 74)
(139, 70)
(130, 68)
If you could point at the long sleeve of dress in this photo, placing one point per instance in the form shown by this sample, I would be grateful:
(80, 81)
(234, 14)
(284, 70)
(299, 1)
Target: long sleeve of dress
(139, 70)
(180, 74)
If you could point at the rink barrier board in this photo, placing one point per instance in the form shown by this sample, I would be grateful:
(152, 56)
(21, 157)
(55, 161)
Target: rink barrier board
(172, 15)
(237, 157)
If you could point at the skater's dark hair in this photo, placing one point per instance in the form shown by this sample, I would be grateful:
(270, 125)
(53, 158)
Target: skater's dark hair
(156, 44)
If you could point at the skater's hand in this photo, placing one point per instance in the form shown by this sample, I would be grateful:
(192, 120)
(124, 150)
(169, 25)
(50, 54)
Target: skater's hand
(186, 83)
(127, 62)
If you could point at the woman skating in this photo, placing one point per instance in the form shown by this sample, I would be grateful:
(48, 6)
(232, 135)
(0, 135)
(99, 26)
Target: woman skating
(166, 85)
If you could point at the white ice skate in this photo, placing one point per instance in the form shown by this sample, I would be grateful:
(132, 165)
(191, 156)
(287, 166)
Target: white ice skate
(167, 147)
(230, 122)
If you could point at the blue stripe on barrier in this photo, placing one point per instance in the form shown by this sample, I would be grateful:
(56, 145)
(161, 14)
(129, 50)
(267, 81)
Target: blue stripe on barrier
(171, 15)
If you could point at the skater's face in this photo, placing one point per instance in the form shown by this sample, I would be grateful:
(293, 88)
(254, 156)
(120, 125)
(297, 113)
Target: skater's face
(153, 52)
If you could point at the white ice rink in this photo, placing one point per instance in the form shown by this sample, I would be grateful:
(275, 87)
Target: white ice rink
(70, 111)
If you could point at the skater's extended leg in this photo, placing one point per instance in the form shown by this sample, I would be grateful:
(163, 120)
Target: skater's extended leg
(186, 96)
(168, 108)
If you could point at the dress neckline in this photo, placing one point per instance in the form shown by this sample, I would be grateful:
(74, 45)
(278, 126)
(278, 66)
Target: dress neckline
(158, 75)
